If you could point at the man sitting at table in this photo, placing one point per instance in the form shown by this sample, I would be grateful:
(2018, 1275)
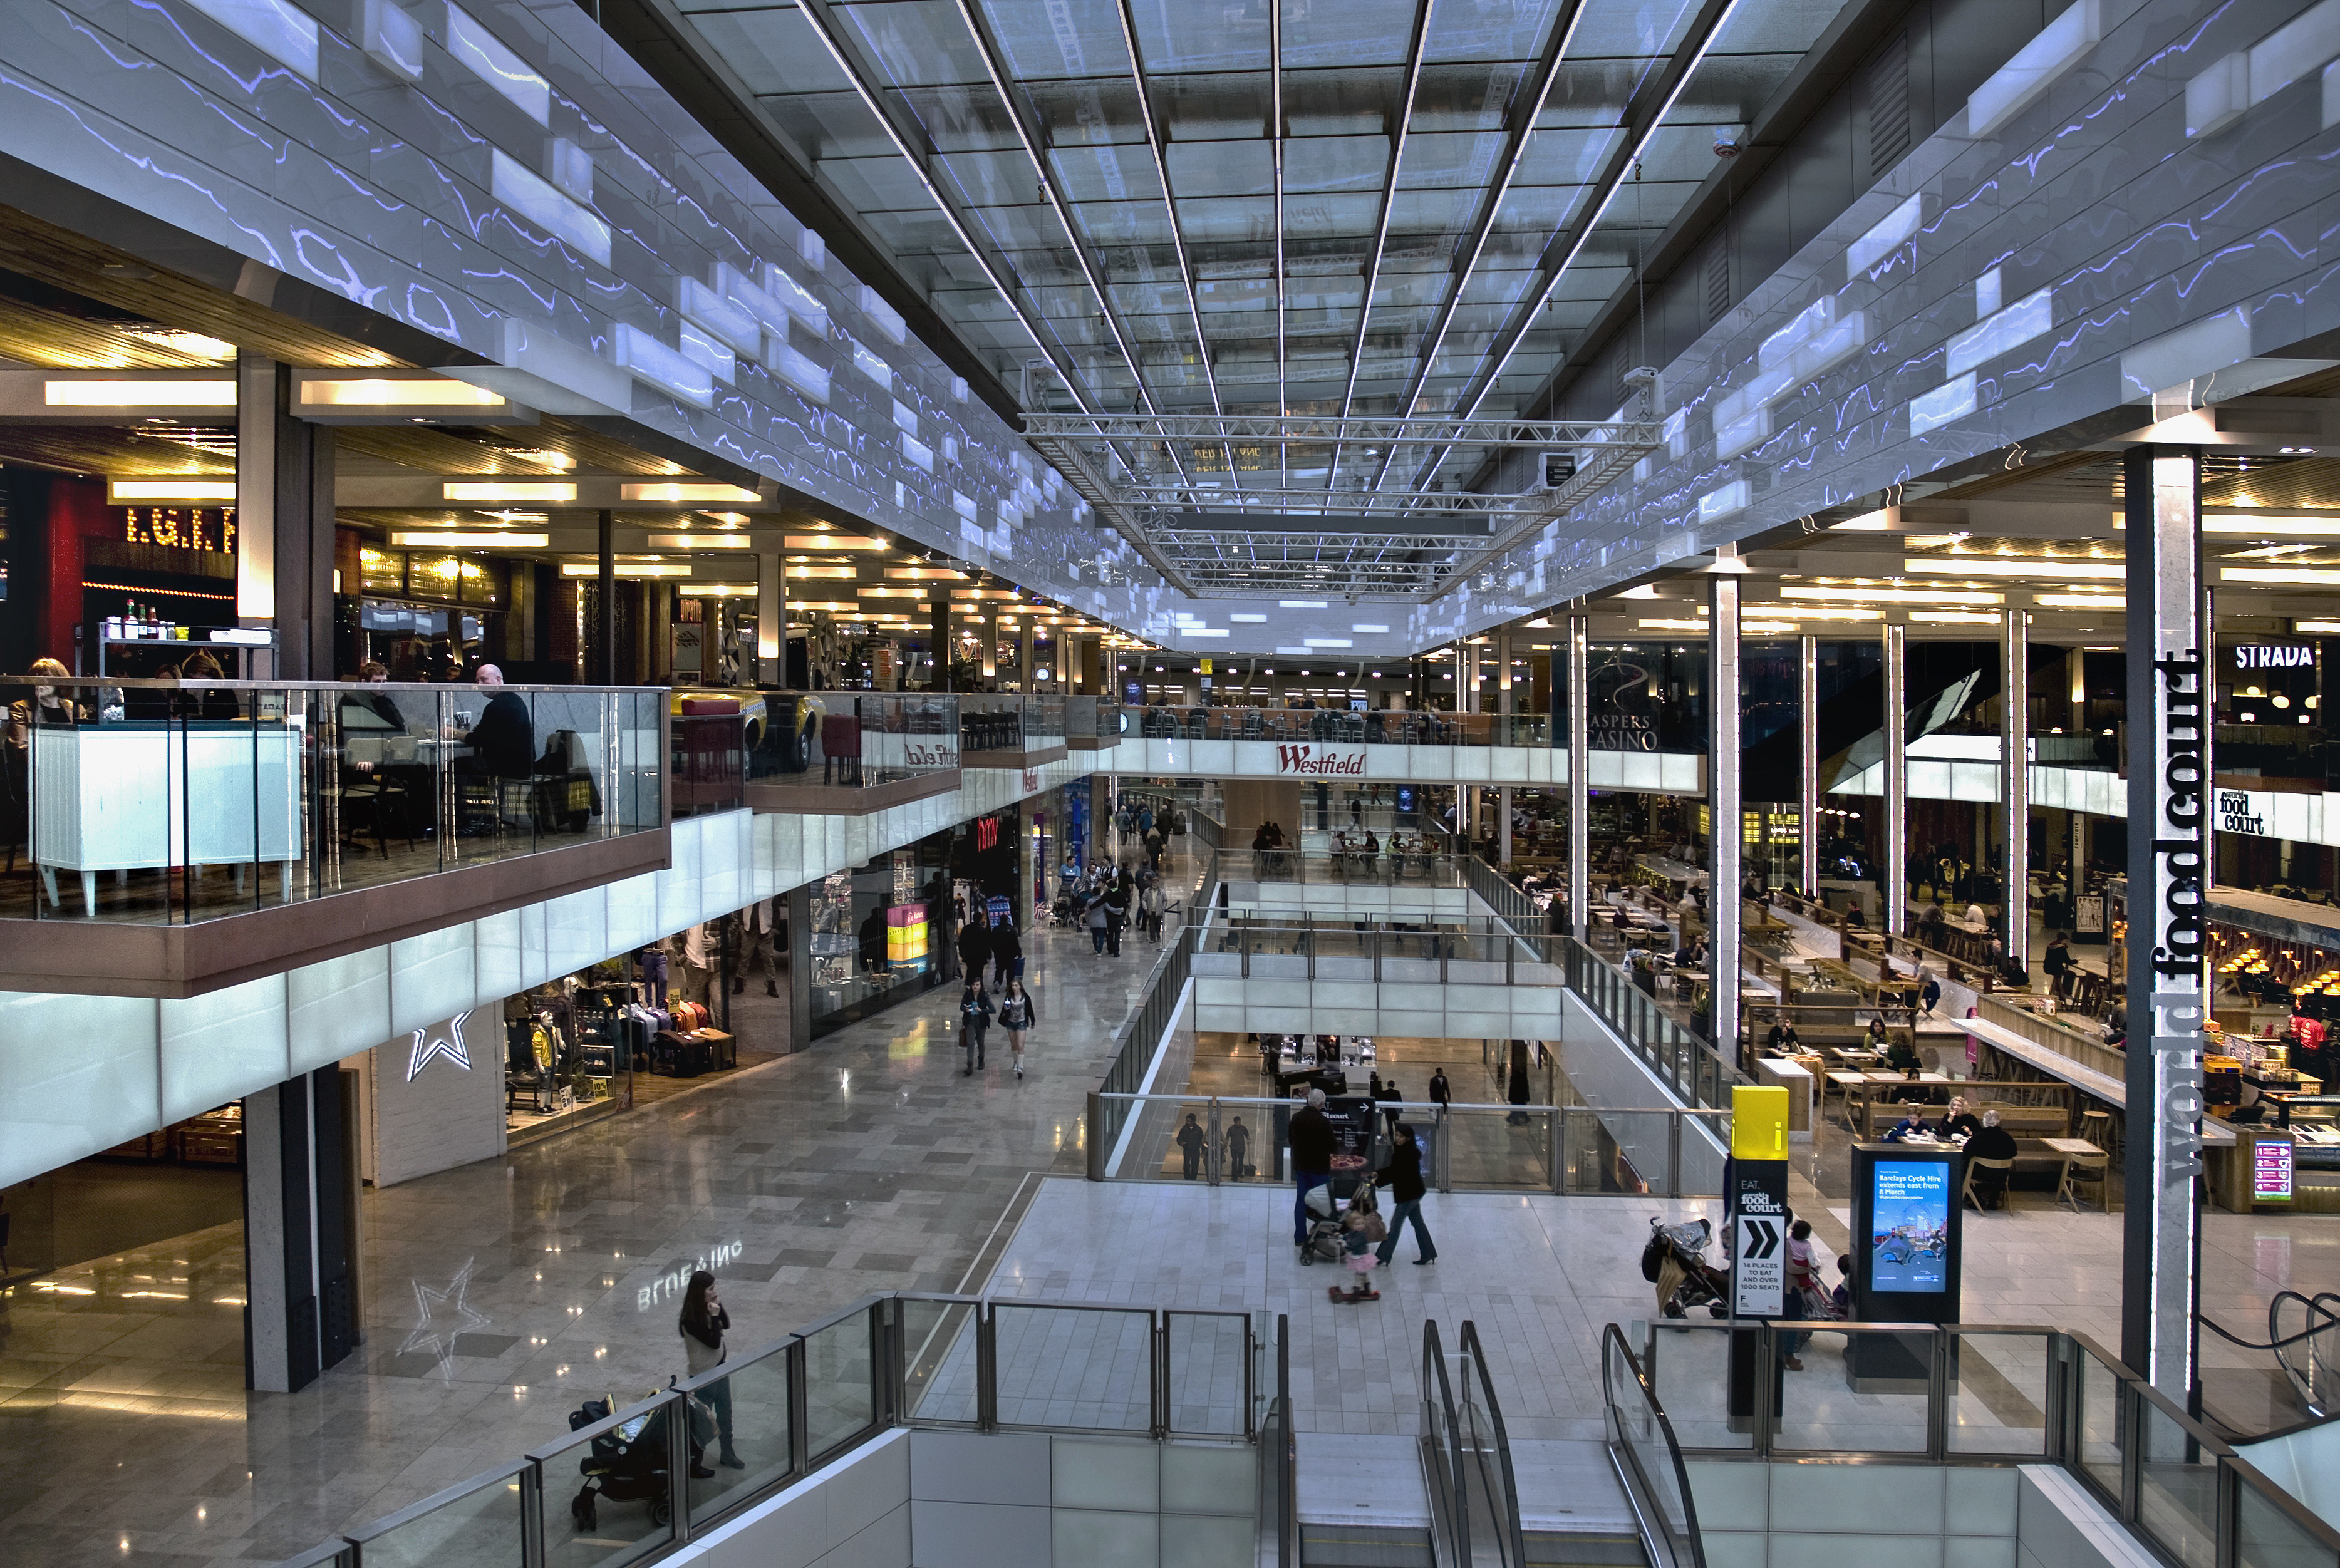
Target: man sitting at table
(1783, 1040)
(503, 743)
(1991, 1142)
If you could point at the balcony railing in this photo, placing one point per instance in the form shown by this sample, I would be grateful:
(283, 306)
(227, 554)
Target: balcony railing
(1380, 727)
(791, 1407)
(171, 802)
(850, 740)
(991, 723)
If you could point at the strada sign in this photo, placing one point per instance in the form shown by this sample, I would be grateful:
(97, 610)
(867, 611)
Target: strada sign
(1320, 762)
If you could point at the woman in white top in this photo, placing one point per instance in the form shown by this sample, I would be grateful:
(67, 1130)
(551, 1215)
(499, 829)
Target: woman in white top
(703, 1325)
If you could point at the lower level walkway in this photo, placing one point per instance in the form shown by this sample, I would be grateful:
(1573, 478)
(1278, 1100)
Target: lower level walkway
(501, 1296)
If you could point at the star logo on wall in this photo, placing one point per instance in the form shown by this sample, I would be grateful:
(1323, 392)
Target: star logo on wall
(430, 1044)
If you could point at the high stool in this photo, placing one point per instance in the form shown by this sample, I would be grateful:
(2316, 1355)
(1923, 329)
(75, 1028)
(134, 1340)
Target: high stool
(2096, 1127)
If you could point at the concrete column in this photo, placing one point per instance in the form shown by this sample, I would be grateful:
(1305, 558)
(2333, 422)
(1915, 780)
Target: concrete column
(990, 645)
(1026, 634)
(300, 1248)
(1577, 693)
(1808, 765)
(284, 523)
(1503, 706)
(608, 580)
(798, 902)
(2015, 779)
(771, 620)
(1897, 777)
(256, 409)
(2167, 729)
(1725, 785)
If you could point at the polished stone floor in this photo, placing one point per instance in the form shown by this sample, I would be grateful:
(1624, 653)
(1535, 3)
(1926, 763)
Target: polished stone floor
(503, 1294)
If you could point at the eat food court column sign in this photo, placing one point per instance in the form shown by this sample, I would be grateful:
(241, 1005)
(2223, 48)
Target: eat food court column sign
(2170, 687)
(1755, 1187)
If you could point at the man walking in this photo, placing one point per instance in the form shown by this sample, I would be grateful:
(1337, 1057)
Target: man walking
(1311, 1140)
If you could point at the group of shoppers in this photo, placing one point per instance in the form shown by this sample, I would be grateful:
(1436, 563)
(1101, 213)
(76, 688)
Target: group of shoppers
(981, 942)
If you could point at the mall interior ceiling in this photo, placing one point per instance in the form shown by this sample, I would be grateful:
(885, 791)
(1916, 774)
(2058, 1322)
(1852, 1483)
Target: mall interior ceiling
(1338, 340)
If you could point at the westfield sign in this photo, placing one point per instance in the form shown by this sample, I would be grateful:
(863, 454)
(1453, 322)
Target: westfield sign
(1313, 762)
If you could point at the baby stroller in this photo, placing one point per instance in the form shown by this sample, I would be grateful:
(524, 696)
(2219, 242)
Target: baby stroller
(1328, 1206)
(626, 1465)
(1674, 1261)
(1066, 912)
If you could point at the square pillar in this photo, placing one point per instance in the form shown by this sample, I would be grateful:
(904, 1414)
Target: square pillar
(1808, 766)
(990, 645)
(771, 620)
(2167, 734)
(2015, 781)
(938, 638)
(1575, 693)
(1725, 783)
(1894, 879)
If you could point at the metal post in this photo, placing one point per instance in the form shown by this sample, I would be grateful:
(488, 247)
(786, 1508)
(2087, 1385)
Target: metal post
(1159, 1321)
(531, 1514)
(986, 1367)
(2015, 781)
(1094, 1134)
(1442, 1162)
(605, 585)
(1557, 1152)
(1211, 1142)
(1939, 1344)
(1897, 778)
(678, 1443)
(1725, 783)
(1579, 777)
(2168, 995)
(1807, 768)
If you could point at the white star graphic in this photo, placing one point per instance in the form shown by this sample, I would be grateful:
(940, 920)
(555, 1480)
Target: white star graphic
(441, 1315)
(449, 1045)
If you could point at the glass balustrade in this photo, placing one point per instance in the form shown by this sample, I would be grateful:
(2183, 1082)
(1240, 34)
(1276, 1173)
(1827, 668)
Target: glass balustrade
(172, 801)
(851, 739)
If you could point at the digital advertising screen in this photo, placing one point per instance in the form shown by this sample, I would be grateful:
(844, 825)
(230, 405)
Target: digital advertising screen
(2271, 1162)
(1909, 1208)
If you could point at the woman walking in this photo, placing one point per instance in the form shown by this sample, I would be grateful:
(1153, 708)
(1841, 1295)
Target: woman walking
(1016, 1015)
(1405, 1188)
(703, 1324)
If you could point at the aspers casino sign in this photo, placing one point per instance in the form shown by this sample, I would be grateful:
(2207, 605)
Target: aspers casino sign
(1320, 762)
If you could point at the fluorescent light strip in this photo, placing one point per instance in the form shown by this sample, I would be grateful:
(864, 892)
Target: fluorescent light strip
(139, 394)
(2082, 602)
(1899, 596)
(2021, 566)
(2278, 575)
(504, 491)
(688, 494)
(2270, 527)
(626, 570)
(700, 542)
(171, 489)
(457, 540)
(1954, 617)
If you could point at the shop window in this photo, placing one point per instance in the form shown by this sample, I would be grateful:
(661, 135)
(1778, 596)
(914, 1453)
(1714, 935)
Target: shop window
(383, 571)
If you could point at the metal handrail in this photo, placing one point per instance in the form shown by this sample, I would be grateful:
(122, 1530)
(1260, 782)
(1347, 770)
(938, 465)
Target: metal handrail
(2065, 1438)
(1687, 1547)
(889, 1372)
(1443, 1449)
(1508, 1515)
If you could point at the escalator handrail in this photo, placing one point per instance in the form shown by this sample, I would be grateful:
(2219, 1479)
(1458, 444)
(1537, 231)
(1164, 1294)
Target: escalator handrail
(1690, 1551)
(1438, 1401)
(1515, 1535)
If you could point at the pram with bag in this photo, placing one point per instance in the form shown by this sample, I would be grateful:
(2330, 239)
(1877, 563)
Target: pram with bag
(1674, 1260)
(627, 1464)
(1327, 1206)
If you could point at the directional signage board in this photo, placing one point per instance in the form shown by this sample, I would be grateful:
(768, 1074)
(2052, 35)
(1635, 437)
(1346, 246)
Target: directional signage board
(1758, 1238)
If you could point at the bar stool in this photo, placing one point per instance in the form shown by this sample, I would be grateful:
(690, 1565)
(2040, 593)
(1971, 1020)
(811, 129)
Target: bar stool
(2096, 1127)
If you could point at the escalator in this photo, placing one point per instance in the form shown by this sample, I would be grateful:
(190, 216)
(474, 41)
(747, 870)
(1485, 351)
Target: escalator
(1499, 1501)
(1943, 680)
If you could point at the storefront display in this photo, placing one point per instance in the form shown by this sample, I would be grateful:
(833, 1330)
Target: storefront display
(879, 933)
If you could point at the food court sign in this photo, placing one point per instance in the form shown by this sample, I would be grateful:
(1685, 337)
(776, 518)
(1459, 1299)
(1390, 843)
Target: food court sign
(1304, 761)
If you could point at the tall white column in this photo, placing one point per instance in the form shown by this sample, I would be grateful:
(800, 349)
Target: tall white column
(1578, 695)
(1897, 778)
(1808, 765)
(2168, 731)
(1725, 785)
(990, 645)
(1503, 706)
(771, 620)
(2015, 780)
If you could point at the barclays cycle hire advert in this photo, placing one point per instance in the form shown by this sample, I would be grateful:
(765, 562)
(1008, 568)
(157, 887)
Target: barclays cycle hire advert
(1910, 1211)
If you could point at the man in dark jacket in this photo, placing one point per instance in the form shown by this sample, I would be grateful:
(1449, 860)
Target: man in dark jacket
(503, 743)
(975, 947)
(1992, 1141)
(1007, 953)
(1440, 1094)
(1118, 899)
(1190, 1146)
(1310, 1139)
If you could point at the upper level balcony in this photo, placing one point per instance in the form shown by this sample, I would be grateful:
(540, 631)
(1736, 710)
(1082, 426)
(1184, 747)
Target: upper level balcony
(848, 754)
(166, 837)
